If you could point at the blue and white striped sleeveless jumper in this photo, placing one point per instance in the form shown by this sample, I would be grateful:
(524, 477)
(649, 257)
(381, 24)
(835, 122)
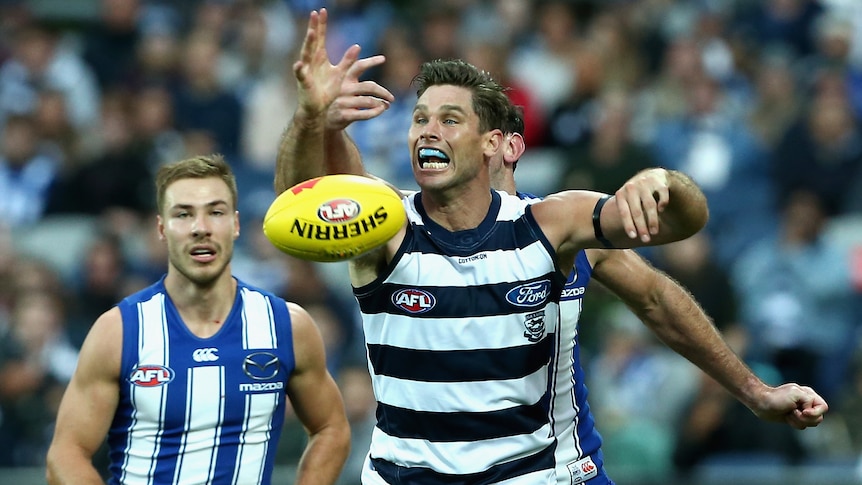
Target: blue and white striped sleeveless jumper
(578, 454)
(193, 410)
(459, 332)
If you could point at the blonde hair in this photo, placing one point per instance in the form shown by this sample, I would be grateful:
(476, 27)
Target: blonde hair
(200, 167)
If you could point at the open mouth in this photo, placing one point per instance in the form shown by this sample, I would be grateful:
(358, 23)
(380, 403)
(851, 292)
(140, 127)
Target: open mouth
(432, 158)
(203, 253)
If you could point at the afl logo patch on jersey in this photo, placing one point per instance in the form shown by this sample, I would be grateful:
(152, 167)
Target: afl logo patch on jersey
(338, 210)
(151, 375)
(413, 301)
(530, 294)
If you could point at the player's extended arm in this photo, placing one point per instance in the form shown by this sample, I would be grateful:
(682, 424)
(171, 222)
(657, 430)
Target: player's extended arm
(318, 405)
(658, 206)
(331, 97)
(88, 405)
(678, 320)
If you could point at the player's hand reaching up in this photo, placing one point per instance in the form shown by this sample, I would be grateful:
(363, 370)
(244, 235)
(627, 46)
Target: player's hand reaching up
(798, 406)
(321, 83)
(358, 100)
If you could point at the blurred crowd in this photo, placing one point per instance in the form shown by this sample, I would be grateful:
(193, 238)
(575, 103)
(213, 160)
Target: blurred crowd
(760, 101)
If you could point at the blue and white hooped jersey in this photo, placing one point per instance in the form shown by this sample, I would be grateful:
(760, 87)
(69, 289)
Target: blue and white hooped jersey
(578, 455)
(200, 410)
(459, 332)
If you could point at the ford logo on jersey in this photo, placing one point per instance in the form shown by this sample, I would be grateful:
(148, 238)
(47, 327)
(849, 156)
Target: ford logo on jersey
(530, 294)
(151, 375)
(414, 301)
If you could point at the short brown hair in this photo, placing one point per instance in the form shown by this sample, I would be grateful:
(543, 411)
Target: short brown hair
(200, 167)
(489, 97)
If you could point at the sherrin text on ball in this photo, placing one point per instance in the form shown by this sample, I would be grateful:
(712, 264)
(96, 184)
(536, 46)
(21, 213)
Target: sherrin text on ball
(334, 217)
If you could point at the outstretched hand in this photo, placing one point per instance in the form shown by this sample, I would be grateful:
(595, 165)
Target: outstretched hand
(336, 89)
(798, 406)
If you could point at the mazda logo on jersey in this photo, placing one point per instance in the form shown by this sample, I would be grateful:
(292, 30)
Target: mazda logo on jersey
(260, 366)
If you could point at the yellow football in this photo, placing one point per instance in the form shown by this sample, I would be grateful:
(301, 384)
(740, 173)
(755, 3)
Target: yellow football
(334, 217)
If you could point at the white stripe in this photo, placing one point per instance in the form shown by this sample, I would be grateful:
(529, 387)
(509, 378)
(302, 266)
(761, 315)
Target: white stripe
(258, 321)
(464, 456)
(148, 403)
(488, 267)
(477, 396)
(491, 332)
(254, 441)
(204, 419)
(566, 413)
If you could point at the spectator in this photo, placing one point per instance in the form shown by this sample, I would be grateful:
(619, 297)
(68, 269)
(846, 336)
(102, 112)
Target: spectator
(799, 324)
(39, 362)
(110, 44)
(822, 152)
(27, 176)
(719, 151)
(608, 156)
(39, 62)
(201, 103)
(119, 179)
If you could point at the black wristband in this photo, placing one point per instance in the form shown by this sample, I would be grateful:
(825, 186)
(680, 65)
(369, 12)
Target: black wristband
(597, 223)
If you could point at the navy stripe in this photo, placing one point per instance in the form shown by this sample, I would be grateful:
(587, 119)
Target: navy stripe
(458, 301)
(460, 365)
(397, 475)
(462, 426)
(504, 236)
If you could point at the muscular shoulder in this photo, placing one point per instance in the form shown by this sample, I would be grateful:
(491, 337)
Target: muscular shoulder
(102, 350)
(307, 341)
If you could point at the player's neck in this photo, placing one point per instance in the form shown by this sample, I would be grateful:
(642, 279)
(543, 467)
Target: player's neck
(465, 209)
(203, 308)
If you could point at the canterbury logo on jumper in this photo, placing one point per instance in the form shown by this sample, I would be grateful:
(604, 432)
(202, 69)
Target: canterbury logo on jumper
(205, 355)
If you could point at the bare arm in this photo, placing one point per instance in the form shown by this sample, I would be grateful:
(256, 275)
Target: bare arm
(676, 318)
(331, 97)
(318, 404)
(88, 405)
(659, 206)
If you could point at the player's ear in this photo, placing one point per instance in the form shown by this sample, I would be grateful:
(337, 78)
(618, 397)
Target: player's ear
(493, 141)
(514, 148)
(236, 224)
(160, 227)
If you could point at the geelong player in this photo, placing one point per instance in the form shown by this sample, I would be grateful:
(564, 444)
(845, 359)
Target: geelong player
(662, 304)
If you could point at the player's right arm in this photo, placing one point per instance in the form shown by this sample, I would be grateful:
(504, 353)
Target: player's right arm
(676, 318)
(331, 97)
(88, 405)
(315, 142)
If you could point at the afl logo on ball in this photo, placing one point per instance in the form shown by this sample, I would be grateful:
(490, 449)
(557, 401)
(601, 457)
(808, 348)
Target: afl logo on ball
(338, 210)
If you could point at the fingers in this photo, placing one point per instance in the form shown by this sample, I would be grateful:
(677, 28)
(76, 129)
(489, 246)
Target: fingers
(641, 201)
(348, 60)
(626, 214)
(638, 210)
